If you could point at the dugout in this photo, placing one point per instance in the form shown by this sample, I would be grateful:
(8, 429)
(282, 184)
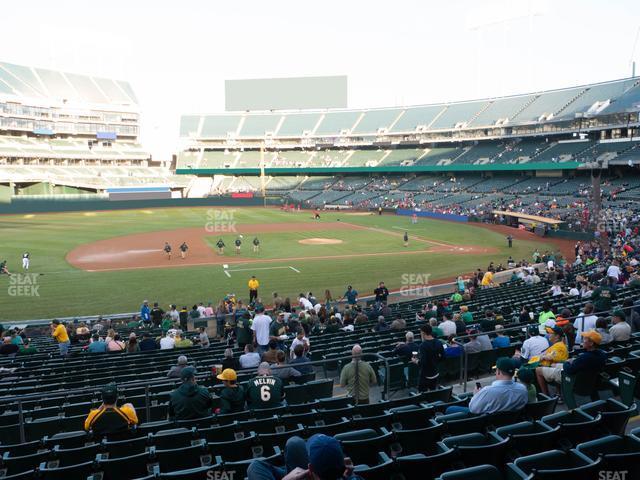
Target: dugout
(533, 223)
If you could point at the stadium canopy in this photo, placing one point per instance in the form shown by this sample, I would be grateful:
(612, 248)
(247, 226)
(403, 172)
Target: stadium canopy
(525, 218)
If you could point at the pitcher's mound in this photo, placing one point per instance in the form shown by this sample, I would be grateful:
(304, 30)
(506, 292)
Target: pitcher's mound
(319, 241)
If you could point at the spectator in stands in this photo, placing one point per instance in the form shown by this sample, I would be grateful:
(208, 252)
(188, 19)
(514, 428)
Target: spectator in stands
(229, 361)
(9, 349)
(133, 345)
(592, 359)
(300, 361)
(381, 326)
(300, 339)
(473, 345)
(483, 338)
(405, 349)
(97, 345)
(436, 331)
(621, 330)
(145, 313)
(249, 359)
(156, 314)
(265, 390)
(501, 340)
(116, 345)
(270, 356)
(189, 400)
(320, 458)
(260, 327)
(183, 316)
(503, 395)
(351, 295)
(399, 324)
(546, 313)
(59, 333)
(584, 322)
(527, 378)
(232, 396)
(452, 349)
(430, 353)
(461, 327)
(203, 338)
(27, 349)
(358, 376)
(82, 333)
(467, 316)
(603, 296)
(283, 371)
(456, 297)
(525, 315)
(109, 419)
(602, 327)
(181, 341)
(550, 362)
(243, 330)
(532, 346)
(448, 326)
(168, 342)
(175, 371)
(278, 331)
(148, 344)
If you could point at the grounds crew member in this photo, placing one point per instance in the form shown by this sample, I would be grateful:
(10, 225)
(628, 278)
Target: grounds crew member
(253, 285)
(189, 400)
(265, 390)
(109, 419)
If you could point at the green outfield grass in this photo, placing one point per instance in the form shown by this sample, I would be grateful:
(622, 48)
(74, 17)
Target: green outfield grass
(63, 290)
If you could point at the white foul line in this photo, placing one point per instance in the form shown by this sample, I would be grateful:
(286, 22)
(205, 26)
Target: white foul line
(294, 269)
(227, 273)
(252, 269)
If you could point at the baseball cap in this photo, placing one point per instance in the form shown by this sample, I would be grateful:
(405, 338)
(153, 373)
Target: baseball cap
(187, 373)
(110, 393)
(506, 365)
(556, 330)
(618, 312)
(534, 330)
(325, 456)
(592, 335)
(228, 374)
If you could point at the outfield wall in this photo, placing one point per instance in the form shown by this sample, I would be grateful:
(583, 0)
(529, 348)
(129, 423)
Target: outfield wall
(36, 205)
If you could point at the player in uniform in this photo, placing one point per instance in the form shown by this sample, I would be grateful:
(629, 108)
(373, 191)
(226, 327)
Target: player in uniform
(256, 245)
(265, 390)
(238, 243)
(3, 268)
(316, 214)
(406, 239)
(25, 260)
(167, 250)
(220, 245)
(183, 250)
(414, 218)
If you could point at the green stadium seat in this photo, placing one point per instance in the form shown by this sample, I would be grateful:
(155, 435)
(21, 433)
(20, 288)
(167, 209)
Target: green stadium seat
(476, 448)
(615, 415)
(182, 458)
(543, 406)
(234, 450)
(479, 472)
(136, 465)
(427, 466)
(554, 464)
(69, 456)
(80, 470)
(172, 438)
(529, 437)
(619, 453)
(362, 446)
(13, 464)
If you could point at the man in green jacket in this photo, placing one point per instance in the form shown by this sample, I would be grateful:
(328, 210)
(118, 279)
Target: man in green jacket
(189, 400)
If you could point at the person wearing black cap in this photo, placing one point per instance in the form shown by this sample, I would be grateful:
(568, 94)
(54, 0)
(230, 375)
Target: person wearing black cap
(533, 346)
(319, 458)
(109, 419)
(503, 395)
(189, 400)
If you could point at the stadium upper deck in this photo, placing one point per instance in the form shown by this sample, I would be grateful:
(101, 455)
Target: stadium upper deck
(429, 137)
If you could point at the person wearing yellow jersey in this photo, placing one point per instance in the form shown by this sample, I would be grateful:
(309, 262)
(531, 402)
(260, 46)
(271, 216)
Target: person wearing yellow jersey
(551, 360)
(253, 288)
(109, 419)
(487, 279)
(59, 332)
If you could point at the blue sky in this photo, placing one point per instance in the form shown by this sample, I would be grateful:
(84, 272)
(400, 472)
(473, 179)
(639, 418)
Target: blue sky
(178, 54)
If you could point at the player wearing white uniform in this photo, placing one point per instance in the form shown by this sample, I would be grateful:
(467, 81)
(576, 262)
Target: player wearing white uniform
(25, 260)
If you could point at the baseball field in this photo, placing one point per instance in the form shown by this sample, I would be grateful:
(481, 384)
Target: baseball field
(86, 263)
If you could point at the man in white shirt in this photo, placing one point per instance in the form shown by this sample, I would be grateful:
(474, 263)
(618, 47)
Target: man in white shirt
(174, 314)
(304, 303)
(448, 326)
(300, 339)
(534, 345)
(573, 291)
(260, 327)
(584, 322)
(249, 359)
(621, 330)
(614, 270)
(167, 342)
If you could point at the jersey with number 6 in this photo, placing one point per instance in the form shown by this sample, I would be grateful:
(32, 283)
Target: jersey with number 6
(265, 392)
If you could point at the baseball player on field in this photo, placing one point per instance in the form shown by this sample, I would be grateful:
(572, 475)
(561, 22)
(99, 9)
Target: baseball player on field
(25, 260)
(256, 245)
(167, 250)
(238, 243)
(220, 244)
(183, 250)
